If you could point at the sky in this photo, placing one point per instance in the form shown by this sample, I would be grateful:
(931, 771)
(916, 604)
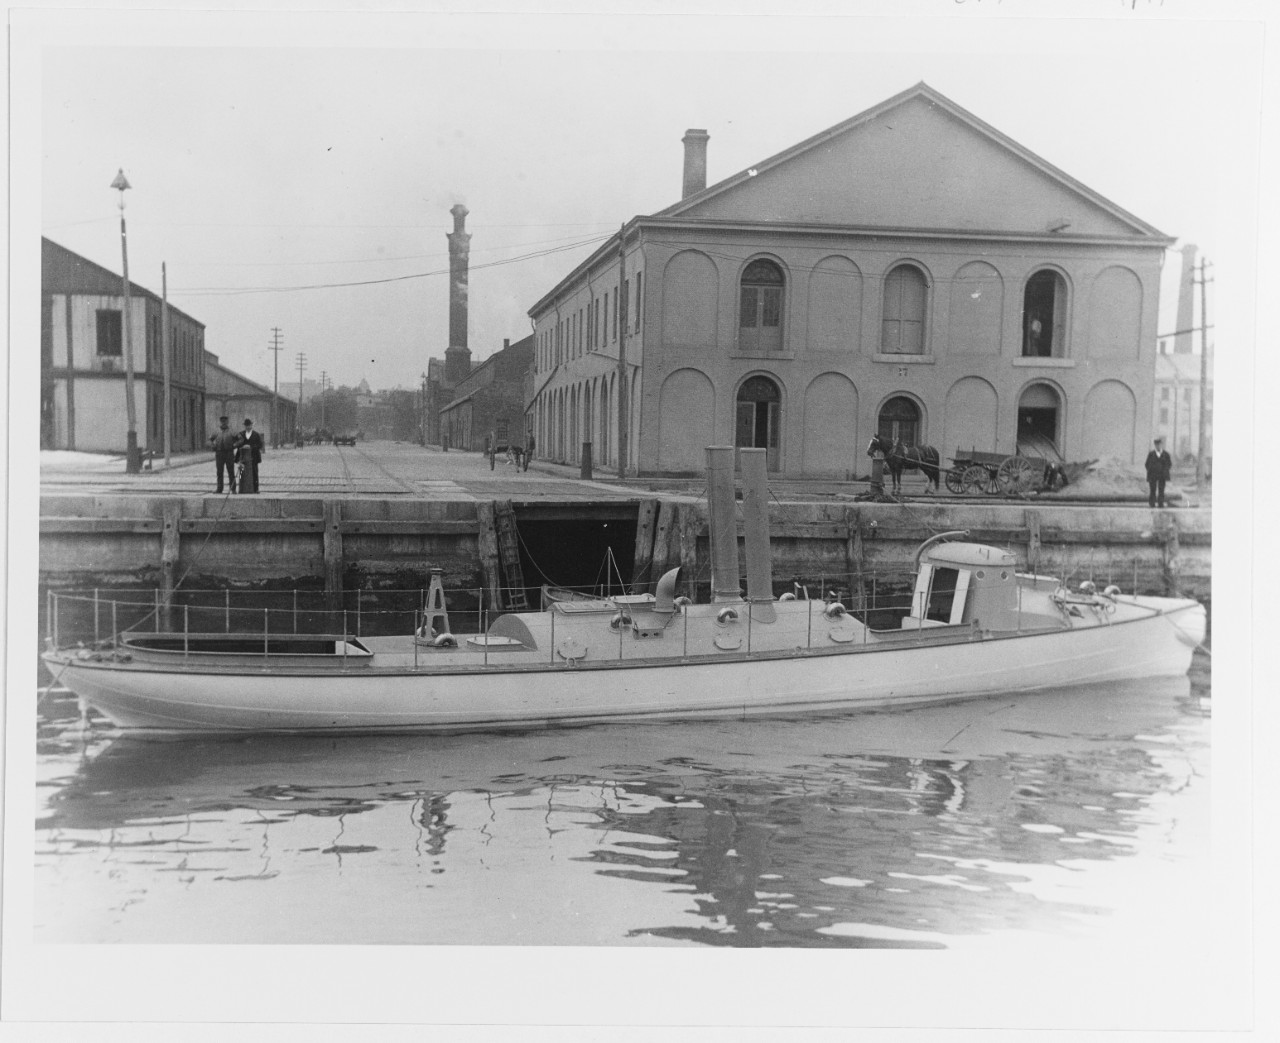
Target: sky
(295, 172)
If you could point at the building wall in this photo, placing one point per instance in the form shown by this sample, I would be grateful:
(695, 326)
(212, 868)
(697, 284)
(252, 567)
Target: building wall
(833, 378)
(915, 181)
(86, 401)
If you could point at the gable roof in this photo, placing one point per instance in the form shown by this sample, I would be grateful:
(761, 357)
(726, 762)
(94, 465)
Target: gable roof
(710, 201)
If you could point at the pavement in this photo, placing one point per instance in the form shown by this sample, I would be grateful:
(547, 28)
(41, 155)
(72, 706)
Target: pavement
(406, 469)
(372, 469)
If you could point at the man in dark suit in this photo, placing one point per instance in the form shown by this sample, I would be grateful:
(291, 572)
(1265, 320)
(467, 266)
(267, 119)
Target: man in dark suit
(1159, 468)
(250, 453)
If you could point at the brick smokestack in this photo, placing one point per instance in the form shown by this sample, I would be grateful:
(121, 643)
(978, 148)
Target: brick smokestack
(695, 161)
(457, 357)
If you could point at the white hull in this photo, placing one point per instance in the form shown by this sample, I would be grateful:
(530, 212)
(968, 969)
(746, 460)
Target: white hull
(514, 691)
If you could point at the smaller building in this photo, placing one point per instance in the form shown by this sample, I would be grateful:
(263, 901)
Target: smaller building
(489, 403)
(229, 394)
(1176, 405)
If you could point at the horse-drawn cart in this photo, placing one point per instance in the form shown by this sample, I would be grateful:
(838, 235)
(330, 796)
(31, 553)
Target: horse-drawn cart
(973, 472)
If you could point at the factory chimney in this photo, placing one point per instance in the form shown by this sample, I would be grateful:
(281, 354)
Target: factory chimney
(457, 357)
(695, 161)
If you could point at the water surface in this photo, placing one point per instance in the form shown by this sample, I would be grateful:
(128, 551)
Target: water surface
(1050, 815)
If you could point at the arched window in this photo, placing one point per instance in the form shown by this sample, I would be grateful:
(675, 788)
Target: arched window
(899, 421)
(1044, 315)
(906, 292)
(759, 417)
(760, 308)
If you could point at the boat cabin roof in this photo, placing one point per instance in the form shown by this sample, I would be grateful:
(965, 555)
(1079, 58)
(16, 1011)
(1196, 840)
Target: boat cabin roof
(968, 556)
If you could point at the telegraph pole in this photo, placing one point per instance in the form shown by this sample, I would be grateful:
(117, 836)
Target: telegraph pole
(302, 364)
(274, 348)
(1202, 449)
(164, 355)
(324, 379)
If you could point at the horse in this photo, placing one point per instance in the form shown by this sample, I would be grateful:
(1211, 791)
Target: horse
(899, 457)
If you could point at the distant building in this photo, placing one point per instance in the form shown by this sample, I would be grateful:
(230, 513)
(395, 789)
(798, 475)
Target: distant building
(237, 398)
(1176, 413)
(490, 400)
(911, 272)
(82, 361)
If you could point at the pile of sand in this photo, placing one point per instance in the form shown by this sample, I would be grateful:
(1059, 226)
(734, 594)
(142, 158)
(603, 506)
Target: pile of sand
(1110, 477)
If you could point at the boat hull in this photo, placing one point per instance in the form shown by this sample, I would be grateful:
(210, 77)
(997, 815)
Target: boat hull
(505, 693)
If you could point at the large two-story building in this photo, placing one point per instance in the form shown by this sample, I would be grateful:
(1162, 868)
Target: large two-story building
(82, 361)
(911, 271)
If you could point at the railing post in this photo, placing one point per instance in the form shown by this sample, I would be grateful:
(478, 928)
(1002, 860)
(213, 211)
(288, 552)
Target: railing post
(186, 630)
(115, 629)
(684, 611)
(295, 610)
(344, 638)
(359, 598)
(415, 639)
(156, 610)
(265, 633)
(55, 619)
(95, 615)
(553, 635)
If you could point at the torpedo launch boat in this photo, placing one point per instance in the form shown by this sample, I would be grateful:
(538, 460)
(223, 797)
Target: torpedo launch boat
(976, 627)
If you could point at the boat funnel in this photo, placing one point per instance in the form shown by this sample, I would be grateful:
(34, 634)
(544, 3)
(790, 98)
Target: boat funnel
(755, 522)
(725, 584)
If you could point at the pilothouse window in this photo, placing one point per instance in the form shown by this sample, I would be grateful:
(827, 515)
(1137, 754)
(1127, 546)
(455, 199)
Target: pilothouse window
(942, 593)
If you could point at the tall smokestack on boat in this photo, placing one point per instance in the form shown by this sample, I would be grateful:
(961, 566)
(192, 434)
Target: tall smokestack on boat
(457, 356)
(755, 519)
(724, 525)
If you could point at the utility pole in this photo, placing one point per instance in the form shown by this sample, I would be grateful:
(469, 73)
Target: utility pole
(274, 348)
(324, 380)
(620, 311)
(1202, 450)
(164, 355)
(302, 364)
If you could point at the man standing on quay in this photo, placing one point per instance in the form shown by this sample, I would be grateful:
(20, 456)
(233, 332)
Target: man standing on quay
(224, 452)
(250, 443)
(1159, 468)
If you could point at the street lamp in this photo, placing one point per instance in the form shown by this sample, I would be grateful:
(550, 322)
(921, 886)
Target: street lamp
(133, 455)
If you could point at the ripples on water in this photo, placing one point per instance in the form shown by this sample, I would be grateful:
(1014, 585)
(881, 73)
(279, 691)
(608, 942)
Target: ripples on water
(1043, 815)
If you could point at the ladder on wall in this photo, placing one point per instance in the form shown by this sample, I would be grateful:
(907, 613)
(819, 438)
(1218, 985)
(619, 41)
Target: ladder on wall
(504, 521)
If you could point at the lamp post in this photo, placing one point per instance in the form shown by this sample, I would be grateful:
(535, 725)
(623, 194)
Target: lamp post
(133, 455)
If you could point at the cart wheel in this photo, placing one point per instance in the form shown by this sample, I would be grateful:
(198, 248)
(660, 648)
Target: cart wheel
(975, 479)
(1017, 474)
(955, 483)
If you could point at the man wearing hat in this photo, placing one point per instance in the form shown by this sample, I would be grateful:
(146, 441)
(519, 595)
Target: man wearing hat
(1159, 468)
(250, 450)
(224, 452)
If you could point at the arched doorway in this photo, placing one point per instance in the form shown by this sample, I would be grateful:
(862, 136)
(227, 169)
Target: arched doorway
(1039, 412)
(899, 421)
(759, 418)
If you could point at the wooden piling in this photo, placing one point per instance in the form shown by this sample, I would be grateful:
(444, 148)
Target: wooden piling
(689, 526)
(332, 514)
(854, 556)
(1171, 565)
(170, 548)
(490, 563)
(1032, 521)
(665, 531)
(646, 519)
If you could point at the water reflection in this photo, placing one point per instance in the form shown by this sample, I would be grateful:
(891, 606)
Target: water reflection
(917, 829)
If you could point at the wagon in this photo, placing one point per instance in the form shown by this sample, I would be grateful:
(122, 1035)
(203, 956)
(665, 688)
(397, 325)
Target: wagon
(975, 472)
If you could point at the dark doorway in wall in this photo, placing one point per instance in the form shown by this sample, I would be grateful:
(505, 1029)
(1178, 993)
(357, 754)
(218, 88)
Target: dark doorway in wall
(576, 554)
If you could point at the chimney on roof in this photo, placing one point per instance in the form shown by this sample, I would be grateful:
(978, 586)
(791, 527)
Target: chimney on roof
(695, 161)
